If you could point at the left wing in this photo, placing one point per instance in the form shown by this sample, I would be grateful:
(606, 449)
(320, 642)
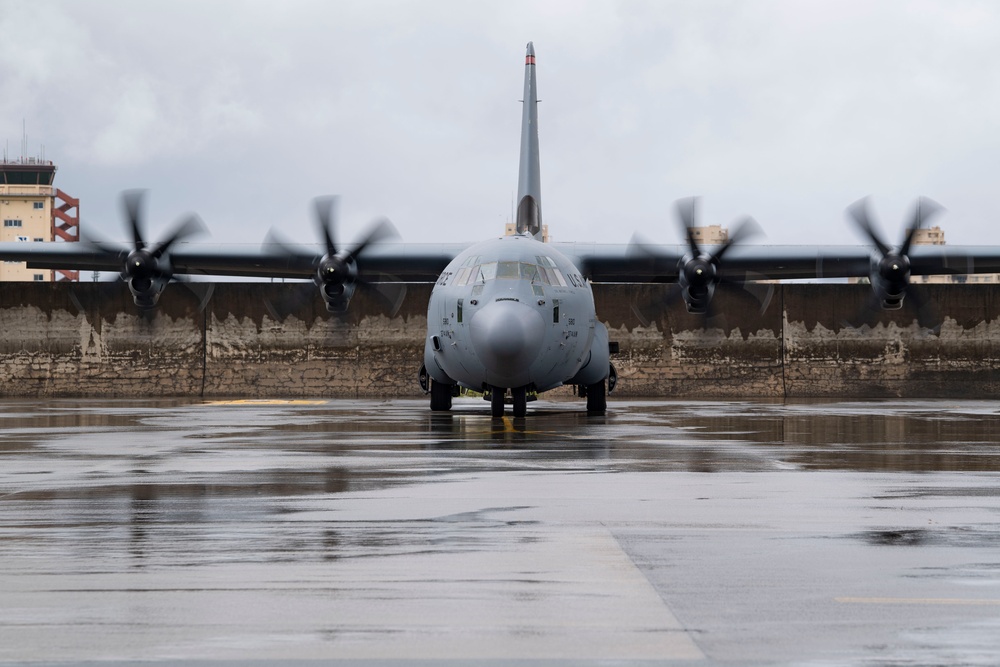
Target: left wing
(381, 262)
(336, 268)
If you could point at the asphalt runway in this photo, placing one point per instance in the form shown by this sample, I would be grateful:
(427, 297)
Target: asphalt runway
(376, 533)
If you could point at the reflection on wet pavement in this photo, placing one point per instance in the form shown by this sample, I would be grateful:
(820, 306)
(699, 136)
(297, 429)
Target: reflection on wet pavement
(723, 531)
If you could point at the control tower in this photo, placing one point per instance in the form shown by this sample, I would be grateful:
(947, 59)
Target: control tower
(32, 209)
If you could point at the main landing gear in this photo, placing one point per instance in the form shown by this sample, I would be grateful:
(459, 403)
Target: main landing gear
(441, 396)
(597, 398)
(596, 395)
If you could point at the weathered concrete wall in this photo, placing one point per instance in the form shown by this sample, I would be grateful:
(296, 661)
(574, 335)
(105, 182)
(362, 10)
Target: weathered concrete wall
(87, 340)
(895, 357)
(98, 346)
(305, 351)
(810, 341)
(734, 353)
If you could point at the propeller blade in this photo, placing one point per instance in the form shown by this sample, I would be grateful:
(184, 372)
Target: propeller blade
(132, 200)
(745, 229)
(390, 290)
(326, 219)
(859, 213)
(872, 311)
(189, 226)
(686, 214)
(654, 261)
(77, 304)
(103, 293)
(655, 303)
(297, 297)
(756, 285)
(697, 274)
(923, 211)
(202, 291)
(867, 314)
(394, 294)
(276, 244)
(927, 317)
(92, 239)
(379, 230)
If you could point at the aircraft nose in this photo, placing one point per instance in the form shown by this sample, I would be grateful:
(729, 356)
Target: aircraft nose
(507, 336)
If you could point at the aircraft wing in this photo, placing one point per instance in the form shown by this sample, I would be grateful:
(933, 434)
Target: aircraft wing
(424, 262)
(661, 263)
(383, 261)
(80, 256)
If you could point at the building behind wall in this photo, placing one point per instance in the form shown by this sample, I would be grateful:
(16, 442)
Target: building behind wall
(511, 228)
(33, 209)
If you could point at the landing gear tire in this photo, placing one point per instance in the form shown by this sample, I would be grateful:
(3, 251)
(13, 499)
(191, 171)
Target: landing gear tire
(520, 399)
(597, 399)
(497, 395)
(440, 396)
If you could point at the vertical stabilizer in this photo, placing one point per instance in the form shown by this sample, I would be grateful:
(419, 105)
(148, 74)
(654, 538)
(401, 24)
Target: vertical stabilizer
(529, 187)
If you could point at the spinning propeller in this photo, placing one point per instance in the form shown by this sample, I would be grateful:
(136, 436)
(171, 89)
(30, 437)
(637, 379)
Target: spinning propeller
(146, 267)
(890, 267)
(336, 272)
(699, 273)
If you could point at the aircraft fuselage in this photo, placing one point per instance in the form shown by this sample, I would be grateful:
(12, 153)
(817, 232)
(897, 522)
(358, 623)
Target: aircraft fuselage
(514, 313)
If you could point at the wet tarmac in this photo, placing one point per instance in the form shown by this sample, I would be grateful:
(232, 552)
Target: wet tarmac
(376, 533)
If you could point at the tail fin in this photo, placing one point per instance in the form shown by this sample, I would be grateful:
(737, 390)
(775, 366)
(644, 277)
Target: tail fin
(529, 188)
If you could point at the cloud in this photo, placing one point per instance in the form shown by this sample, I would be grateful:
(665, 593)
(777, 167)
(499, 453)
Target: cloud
(244, 110)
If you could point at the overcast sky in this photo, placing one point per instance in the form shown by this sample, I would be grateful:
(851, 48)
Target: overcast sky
(243, 111)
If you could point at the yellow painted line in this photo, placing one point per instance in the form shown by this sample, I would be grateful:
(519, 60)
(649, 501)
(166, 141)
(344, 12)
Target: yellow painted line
(267, 401)
(508, 427)
(924, 601)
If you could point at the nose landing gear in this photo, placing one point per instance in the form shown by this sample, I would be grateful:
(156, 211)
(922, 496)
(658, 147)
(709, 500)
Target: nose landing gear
(519, 400)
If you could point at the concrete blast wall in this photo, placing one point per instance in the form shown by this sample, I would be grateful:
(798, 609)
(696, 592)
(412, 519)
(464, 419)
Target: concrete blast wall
(277, 340)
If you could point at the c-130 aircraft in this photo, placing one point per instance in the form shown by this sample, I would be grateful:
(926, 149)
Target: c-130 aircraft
(515, 314)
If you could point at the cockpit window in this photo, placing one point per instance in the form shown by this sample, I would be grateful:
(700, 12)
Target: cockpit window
(530, 272)
(508, 270)
(487, 272)
(553, 276)
(543, 273)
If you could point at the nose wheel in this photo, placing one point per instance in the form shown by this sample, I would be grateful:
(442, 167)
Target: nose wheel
(497, 395)
(520, 396)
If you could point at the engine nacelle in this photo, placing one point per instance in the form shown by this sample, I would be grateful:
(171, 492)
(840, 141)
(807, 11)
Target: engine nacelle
(890, 277)
(336, 276)
(337, 296)
(146, 291)
(697, 279)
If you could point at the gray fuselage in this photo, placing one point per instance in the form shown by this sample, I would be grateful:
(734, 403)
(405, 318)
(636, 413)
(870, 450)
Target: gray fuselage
(514, 312)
